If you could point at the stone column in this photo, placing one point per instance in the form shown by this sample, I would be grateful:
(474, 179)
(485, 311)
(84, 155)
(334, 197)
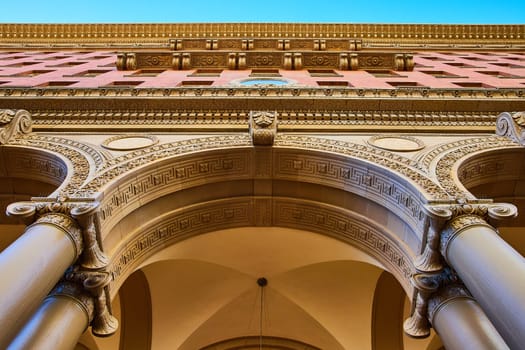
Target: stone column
(461, 323)
(59, 322)
(32, 265)
(76, 303)
(491, 270)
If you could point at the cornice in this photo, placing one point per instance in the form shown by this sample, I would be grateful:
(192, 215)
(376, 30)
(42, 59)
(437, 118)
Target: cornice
(157, 35)
(295, 91)
(227, 108)
(237, 120)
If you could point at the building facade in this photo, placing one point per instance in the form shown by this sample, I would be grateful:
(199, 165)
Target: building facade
(262, 186)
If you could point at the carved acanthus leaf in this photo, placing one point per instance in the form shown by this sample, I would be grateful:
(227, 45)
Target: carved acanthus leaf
(263, 127)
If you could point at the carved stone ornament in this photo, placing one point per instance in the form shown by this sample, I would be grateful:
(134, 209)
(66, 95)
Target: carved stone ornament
(263, 127)
(512, 126)
(443, 296)
(103, 323)
(93, 258)
(430, 260)
(417, 325)
(426, 285)
(14, 123)
(465, 215)
(78, 294)
(76, 218)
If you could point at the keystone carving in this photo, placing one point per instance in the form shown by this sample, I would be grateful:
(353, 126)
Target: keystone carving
(512, 126)
(14, 123)
(263, 128)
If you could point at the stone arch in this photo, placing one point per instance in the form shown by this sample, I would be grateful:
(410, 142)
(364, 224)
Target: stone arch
(25, 173)
(387, 314)
(151, 199)
(135, 306)
(187, 274)
(245, 186)
(499, 175)
(495, 174)
(81, 160)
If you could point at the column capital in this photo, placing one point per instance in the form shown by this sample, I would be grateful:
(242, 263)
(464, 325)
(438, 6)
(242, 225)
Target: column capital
(444, 220)
(78, 218)
(426, 285)
(455, 226)
(84, 300)
(445, 295)
(439, 214)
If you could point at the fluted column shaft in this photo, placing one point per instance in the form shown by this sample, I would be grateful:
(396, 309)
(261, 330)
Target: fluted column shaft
(492, 271)
(31, 266)
(461, 323)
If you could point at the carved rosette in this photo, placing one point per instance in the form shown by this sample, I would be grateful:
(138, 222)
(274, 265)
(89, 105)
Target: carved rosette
(512, 126)
(14, 123)
(263, 127)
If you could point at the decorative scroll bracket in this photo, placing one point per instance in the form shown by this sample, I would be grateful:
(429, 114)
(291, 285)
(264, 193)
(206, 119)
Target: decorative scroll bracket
(14, 123)
(512, 126)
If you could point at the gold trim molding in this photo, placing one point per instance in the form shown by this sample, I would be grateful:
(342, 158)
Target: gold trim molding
(162, 32)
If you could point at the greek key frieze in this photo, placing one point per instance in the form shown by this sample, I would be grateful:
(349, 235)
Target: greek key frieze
(181, 225)
(185, 173)
(341, 225)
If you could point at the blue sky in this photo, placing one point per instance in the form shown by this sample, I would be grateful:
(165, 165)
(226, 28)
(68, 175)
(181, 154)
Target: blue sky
(338, 11)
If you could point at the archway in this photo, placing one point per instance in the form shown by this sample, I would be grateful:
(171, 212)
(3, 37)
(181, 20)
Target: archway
(25, 173)
(321, 290)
